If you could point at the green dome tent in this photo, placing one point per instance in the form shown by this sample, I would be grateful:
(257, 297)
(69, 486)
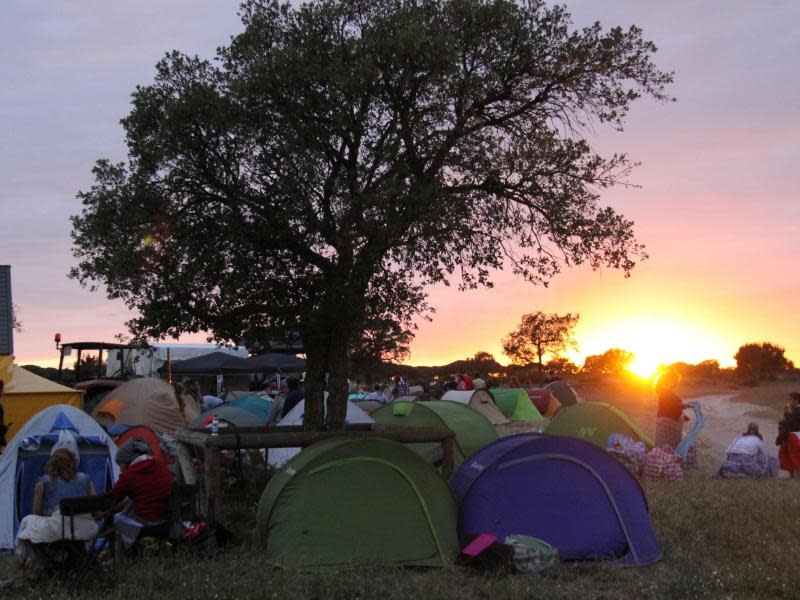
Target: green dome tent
(515, 404)
(473, 430)
(348, 501)
(594, 422)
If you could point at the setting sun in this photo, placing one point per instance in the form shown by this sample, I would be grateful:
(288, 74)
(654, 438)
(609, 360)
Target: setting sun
(644, 366)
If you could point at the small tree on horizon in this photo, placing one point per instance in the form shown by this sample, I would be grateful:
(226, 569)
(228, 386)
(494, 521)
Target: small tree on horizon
(761, 360)
(338, 157)
(540, 334)
(613, 361)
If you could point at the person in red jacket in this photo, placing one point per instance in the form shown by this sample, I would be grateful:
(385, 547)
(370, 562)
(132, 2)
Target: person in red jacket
(142, 491)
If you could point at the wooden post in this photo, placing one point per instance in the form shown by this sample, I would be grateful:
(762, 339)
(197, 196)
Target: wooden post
(186, 470)
(213, 476)
(447, 456)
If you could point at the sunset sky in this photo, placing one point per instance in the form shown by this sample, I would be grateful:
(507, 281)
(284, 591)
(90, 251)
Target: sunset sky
(718, 204)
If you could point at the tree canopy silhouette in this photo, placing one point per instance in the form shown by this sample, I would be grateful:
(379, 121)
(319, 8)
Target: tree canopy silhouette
(340, 156)
(539, 334)
(760, 360)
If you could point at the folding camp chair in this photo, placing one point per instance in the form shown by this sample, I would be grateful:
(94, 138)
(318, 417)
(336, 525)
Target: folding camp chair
(68, 556)
(81, 505)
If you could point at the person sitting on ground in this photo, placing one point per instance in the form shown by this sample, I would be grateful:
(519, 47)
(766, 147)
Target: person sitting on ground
(669, 416)
(789, 452)
(142, 493)
(746, 457)
(378, 394)
(44, 525)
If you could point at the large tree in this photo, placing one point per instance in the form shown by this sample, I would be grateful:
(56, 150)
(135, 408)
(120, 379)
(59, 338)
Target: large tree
(539, 334)
(341, 156)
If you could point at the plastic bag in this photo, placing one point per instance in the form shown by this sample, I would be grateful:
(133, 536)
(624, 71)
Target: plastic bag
(66, 440)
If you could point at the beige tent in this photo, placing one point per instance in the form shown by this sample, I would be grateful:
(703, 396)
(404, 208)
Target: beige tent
(26, 394)
(146, 401)
(480, 400)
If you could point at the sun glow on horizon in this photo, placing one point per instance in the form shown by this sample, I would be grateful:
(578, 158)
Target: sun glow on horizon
(656, 341)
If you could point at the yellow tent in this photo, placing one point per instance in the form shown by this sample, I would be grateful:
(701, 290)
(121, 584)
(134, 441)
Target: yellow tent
(26, 394)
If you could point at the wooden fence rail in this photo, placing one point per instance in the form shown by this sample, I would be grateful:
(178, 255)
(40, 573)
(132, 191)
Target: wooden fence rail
(252, 438)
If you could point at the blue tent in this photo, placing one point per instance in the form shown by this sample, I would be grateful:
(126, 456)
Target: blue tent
(565, 491)
(22, 463)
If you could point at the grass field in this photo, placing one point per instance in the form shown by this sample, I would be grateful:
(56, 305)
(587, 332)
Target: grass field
(721, 539)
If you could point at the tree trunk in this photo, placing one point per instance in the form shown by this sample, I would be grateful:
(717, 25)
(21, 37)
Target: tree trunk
(339, 365)
(314, 385)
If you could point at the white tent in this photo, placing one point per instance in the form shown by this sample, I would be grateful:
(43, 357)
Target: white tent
(480, 400)
(41, 423)
(279, 456)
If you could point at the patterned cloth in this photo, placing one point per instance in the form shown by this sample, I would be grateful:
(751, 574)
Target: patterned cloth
(663, 463)
(669, 432)
(748, 465)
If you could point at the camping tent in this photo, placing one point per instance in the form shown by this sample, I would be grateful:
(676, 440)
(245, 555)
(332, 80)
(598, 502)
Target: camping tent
(473, 430)
(565, 491)
(260, 407)
(22, 463)
(279, 456)
(565, 393)
(515, 404)
(348, 501)
(26, 394)
(228, 415)
(481, 400)
(594, 422)
(145, 401)
(545, 401)
(125, 433)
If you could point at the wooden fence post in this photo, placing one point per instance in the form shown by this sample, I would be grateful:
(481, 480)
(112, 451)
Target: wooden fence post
(213, 476)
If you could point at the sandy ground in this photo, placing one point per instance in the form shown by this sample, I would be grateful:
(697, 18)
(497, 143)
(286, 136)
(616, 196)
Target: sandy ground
(725, 419)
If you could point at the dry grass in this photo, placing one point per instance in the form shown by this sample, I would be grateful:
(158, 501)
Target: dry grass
(772, 394)
(721, 539)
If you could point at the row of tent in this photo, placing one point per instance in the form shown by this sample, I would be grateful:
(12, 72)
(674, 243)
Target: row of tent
(564, 491)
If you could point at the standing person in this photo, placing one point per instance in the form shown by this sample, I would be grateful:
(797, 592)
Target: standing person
(192, 388)
(294, 395)
(461, 385)
(3, 426)
(401, 389)
(789, 452)
(468, 383)
(669, 416)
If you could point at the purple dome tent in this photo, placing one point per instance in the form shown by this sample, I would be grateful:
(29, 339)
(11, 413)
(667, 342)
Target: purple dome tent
(564, 491)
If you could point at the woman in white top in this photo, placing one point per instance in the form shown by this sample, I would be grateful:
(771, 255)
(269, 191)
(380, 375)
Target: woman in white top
(746, 457)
